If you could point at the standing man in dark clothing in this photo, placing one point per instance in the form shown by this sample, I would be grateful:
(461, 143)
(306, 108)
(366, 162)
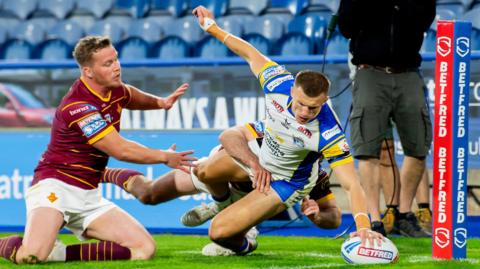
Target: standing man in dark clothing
(385, 39)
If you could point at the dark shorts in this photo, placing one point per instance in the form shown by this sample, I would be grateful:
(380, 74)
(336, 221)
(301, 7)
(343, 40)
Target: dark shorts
(379, 97)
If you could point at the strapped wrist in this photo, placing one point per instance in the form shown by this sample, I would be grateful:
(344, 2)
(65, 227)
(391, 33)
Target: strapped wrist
(207, 23)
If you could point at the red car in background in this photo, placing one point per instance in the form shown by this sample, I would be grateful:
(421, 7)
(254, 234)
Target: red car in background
(20, 108)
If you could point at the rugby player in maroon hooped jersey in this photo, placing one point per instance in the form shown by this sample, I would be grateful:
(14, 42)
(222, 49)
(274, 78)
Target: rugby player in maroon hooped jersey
(84, 134)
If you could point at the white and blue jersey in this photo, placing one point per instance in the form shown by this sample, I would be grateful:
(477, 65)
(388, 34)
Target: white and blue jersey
(290, 150)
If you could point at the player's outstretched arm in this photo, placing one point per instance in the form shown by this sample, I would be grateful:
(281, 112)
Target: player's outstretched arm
(129, 151)
(254, 58)
(348, 178)
(145, 101)
(235, 141)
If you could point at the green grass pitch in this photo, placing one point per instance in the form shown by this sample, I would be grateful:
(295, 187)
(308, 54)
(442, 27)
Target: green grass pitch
(180, 251)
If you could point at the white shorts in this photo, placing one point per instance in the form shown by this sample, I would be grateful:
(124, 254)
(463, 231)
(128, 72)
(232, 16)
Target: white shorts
(79, 207)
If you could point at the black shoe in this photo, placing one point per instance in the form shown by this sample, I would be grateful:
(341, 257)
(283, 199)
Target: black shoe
(377, 226)
(409, 227)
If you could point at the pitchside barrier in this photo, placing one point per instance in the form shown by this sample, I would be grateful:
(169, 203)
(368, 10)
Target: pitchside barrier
(451, 140)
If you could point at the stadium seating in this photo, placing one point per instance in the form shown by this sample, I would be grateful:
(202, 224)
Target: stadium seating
(70, 32)
(186, 28)
(234, 23)
(218, 7)
(260, 42)
(9, 23)
(295, 44)
(22, 9)
(15, 49)
(475, 39)
(85, 20)
(133, 48)
(174, 8)
(57, 8)
(293, 7)
(473, 16)
(94, 7)
(313, 27)
(442, 14)
(171, 47)
(106, 28)
(149, 31)
(429, 41)
(456, 8)
(269, 27)
(337, 45)
(32, 32)
(133, 8)
(53, 49)
(254, 7)
(322, 5)
(210, 47)
(122, 21)
(3, 34)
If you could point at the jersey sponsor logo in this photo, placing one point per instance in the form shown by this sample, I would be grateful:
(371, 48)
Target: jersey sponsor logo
(444, 45)
(52, 197)
(274, 83)
(273, 145)
(273, 71)
(286, 124)
(305, 131)
(463, 46)
(298, 141)
(92, 124)
(85, 108)
(277, 106)
(375, 253)
(259, 127)
(331, 132)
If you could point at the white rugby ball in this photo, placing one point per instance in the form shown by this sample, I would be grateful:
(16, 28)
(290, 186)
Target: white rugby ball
(353, 252)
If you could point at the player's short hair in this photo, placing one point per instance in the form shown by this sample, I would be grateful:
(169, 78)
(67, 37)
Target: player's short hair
(313, 83)
(87, 46)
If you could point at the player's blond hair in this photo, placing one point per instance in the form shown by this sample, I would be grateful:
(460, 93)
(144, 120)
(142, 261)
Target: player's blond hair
(87, 46)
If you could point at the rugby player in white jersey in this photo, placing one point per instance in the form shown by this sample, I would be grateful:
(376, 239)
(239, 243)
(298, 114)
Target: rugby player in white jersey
(299, 128)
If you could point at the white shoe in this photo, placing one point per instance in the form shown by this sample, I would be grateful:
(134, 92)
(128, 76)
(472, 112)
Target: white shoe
(59, 252)
(252, 233)
(213, 249)
(200, 214)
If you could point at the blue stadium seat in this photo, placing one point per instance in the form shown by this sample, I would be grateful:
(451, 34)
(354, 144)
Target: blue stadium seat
(322, 5)
(294, 7)
(60, 9)
(175, 8)
(22, 9)
(45, 22)
(16, 50)
(32, 32)
(260, 42)
(269, 27)
(429, 41)
(121, 20)
(106, 28)
(295, 44)
(68, 31)
(254, 7)
(85, 20)
(338, 45)
(94, 7)
(172, 47)
(475, 39)
(186, 28)
(147, 30)
(313, 27)
(3, 34)
(458, 9)
(234, 23)
(218, 7)
(210, 47)
(133, 8)
(9, 23)
(473, 16)
(53, 49)
(133, 48)
(161, 20)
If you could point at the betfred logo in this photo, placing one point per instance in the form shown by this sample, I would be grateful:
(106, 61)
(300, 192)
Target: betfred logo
(442, 237)
(375, 253)
(463, 46)
(305, 131)
(277, 106)
(460, 235)
(444, 45)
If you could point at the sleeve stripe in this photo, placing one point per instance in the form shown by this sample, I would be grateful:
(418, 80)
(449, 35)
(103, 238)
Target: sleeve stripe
(250, 128)
(101, 135)
(260, 74)
(349, 159)
(333, 142)
(77, 120)
(326, 198)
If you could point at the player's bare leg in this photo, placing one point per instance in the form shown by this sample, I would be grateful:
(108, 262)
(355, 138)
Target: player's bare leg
(119, 227)
(390, 182)
(424, 214)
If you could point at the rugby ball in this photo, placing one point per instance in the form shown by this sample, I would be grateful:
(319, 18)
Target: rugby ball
(353, 251)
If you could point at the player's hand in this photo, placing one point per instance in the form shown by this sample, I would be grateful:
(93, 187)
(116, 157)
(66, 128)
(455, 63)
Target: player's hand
(172, 98)
(309, 207)
(367, 234)
(201, 13)
(180, 160)
(262, 177)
